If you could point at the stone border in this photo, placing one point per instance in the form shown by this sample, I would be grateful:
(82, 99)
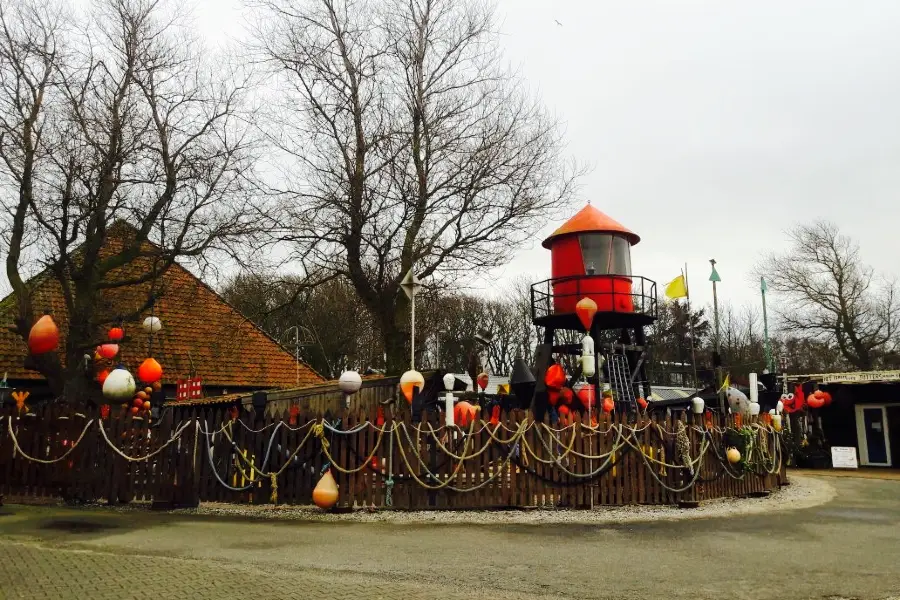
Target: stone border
(804, 492)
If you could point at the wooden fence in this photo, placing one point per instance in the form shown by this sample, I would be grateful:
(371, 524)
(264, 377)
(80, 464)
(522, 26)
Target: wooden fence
(378, 460)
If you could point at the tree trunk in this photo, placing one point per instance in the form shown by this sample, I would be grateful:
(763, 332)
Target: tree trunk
(394, 324)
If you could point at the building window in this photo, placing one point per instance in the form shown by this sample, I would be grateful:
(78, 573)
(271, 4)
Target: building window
(605, 254)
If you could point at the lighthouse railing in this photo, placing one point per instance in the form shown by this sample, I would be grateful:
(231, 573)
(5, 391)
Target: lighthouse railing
(640, 299)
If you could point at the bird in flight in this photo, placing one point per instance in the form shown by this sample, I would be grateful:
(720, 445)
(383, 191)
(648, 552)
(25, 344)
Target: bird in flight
(558, 23)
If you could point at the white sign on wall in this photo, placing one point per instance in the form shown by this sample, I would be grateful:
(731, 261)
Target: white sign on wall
(843, 457)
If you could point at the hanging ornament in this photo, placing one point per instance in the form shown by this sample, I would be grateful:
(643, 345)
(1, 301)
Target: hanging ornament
(20, 398)
(152, 324)
(642, 403)
(464, 413)
(482, 380)
(116, 334)
(697, 405)
(108, 351)
(325, 494)
(150, 371)
(565, 396)
(733, 455)
(586, 309)
(608, 404)
(826, 397)
(816, 400)
(379, 417)
(555, 377)
(135, 410)
(588, 366)
(350, 382)
(142, 395)
(585, 393)
(44, 336)
(137, 402)
(102, 375)
(119, 385)
(409, 382)
(553, 396)
(294, 413)
(495, 415)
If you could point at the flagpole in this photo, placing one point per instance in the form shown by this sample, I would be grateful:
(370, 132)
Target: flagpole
(770, 367)
(714, 277)
(687, 290)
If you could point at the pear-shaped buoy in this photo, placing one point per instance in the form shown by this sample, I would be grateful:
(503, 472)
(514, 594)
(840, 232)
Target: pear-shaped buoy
(586, 309)
(325, 494)
(44, 336)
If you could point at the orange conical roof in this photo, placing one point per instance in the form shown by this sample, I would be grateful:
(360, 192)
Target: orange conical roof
(591, 219)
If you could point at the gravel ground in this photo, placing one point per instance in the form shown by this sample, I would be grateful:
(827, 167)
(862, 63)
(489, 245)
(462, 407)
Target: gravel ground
(804, 492)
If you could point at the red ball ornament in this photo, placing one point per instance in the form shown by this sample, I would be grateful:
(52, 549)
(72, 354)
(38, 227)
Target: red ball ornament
(816, 400)
(108, 351)
(566, 395)
(147, 405)
(102, 375)
(150, 371)
(586, 395)
(483, 379)
(138, 403)
(44, 336)
(608, 404)
(555, 377)
(135, 410)
(553, 396)
(116, 334)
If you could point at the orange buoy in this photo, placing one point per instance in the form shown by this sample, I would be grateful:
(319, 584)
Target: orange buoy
(108, 351)
(150, 371)
(102, 375)
(586, 309)
(44, 336)
(325, 494)
(555, 376)
(116, 334)
(483, 379)
(608, 404)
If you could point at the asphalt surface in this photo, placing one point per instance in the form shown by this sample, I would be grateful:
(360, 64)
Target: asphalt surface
(848, 547)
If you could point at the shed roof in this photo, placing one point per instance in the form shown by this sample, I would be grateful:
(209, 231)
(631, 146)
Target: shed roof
(591, 219)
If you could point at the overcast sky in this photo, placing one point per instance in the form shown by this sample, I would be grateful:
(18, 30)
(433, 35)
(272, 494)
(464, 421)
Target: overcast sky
(711, 126)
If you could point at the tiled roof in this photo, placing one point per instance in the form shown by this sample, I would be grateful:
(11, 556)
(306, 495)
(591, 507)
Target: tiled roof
(201, 334)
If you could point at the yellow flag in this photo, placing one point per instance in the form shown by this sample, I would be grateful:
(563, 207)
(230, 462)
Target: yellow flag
(677, 288)
(726, 384)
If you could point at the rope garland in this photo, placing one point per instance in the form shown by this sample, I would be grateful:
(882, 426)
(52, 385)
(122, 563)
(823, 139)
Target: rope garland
(18, 448)
(174, 437)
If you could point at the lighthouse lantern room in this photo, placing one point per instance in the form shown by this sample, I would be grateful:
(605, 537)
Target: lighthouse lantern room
(591, 259)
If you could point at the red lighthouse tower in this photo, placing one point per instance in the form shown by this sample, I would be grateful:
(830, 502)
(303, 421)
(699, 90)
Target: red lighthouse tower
(591, 258)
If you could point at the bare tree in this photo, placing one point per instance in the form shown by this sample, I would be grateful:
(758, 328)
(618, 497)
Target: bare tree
(417, 147)
(116, 118)
(825, 292)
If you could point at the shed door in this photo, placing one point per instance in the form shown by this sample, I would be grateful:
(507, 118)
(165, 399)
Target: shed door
(873, 435)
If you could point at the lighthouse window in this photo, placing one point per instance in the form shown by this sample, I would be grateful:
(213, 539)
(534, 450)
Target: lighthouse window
(605, 254)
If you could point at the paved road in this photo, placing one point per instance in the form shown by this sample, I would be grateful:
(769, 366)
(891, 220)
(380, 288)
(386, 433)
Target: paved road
(847, 548)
